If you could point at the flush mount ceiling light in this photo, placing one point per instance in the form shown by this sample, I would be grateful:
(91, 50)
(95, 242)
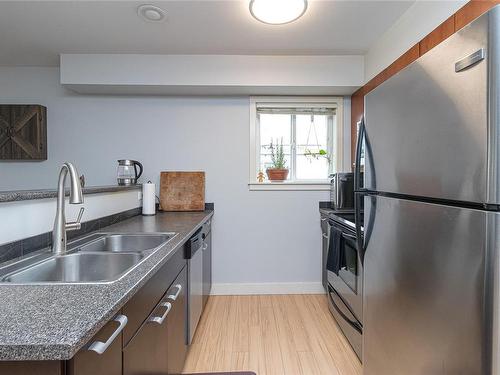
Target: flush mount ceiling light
(277, 12)
(151, 13)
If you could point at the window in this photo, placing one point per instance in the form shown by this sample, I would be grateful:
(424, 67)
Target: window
(309, 131)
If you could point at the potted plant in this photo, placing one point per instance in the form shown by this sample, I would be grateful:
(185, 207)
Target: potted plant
(278, 170)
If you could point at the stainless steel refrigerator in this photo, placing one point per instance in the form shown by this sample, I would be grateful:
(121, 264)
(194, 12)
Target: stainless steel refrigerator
(431, 144)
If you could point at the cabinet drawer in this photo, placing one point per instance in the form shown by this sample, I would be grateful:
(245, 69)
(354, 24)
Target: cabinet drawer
(145, 300)
(146, 353)
(177, 324)
(159, 346)
(32, 368)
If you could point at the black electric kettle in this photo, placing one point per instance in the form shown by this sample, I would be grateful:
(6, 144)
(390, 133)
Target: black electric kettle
(127, 173)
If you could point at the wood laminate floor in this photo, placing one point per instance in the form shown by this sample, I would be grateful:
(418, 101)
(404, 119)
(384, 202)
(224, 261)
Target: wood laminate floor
(270, 335)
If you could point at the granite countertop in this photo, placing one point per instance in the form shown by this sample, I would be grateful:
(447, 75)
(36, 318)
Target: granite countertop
(52, 322)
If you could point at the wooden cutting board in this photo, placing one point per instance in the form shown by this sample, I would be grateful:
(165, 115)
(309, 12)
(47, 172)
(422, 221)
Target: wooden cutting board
(182, 191)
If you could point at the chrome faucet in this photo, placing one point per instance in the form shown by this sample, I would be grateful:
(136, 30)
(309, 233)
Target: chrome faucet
(75, 197)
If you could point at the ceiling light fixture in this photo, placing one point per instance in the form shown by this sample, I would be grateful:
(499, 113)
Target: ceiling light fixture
(277, 12)
(151, 13)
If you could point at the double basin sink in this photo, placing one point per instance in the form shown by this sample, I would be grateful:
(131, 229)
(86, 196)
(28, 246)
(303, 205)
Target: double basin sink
(98, 258)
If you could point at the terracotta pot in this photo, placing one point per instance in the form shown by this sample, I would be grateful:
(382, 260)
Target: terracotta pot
(275, 174)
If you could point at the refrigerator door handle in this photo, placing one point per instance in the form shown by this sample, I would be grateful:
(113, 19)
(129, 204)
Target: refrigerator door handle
(357, 186)
(470, 60)
(357, 220)
(360, 192)
(357, 160)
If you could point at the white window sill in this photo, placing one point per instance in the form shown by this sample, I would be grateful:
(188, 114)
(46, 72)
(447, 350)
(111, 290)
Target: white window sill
(312, 186)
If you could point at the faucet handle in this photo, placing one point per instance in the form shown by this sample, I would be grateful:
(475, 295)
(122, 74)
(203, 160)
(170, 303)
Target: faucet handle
(80, 214)
(76, 225)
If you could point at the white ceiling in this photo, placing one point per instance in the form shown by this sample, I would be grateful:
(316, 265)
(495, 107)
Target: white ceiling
(36, 32)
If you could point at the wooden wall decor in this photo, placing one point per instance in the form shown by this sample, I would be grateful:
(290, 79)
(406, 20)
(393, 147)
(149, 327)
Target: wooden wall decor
(23, 132)
(468, 13)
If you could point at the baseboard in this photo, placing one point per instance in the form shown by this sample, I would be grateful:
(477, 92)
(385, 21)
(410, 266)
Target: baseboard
(267, 288)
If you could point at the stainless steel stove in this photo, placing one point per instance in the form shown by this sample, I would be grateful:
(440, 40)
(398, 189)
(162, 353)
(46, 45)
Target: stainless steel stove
(345, 276)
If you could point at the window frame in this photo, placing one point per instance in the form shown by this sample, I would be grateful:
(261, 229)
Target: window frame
(284, 102)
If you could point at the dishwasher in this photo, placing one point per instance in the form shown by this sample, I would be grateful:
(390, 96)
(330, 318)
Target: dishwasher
(194, 256)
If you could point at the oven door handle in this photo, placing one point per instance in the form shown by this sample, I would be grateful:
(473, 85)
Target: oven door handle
(353, 324)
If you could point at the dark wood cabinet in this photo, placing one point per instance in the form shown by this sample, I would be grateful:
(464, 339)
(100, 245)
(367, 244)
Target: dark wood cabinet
(177, 325)
(32, 368)
(103, 354)
(146, 353)
(159, 346)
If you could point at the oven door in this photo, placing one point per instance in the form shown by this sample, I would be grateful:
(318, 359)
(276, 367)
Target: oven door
(350, 326)
(349, 282)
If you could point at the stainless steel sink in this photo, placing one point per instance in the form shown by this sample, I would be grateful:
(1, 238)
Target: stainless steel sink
(97, 258)
(125, 243)
(78, 267)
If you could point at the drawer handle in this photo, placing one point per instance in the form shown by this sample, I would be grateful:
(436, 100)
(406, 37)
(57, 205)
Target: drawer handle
(161, 319)
(173, 297)
(100, 347)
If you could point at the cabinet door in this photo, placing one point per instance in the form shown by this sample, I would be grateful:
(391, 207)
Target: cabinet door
(32, 368)
(207, 267)
(146, 353)
(103, 354)
(177, 324)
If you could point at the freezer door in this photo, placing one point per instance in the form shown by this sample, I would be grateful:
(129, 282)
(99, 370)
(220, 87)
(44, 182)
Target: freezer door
(425, 301)
(427, 126)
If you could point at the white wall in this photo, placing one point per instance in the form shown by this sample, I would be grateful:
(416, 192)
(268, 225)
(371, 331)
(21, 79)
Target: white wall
(418, 21)
(259, 236)
(29, 218)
